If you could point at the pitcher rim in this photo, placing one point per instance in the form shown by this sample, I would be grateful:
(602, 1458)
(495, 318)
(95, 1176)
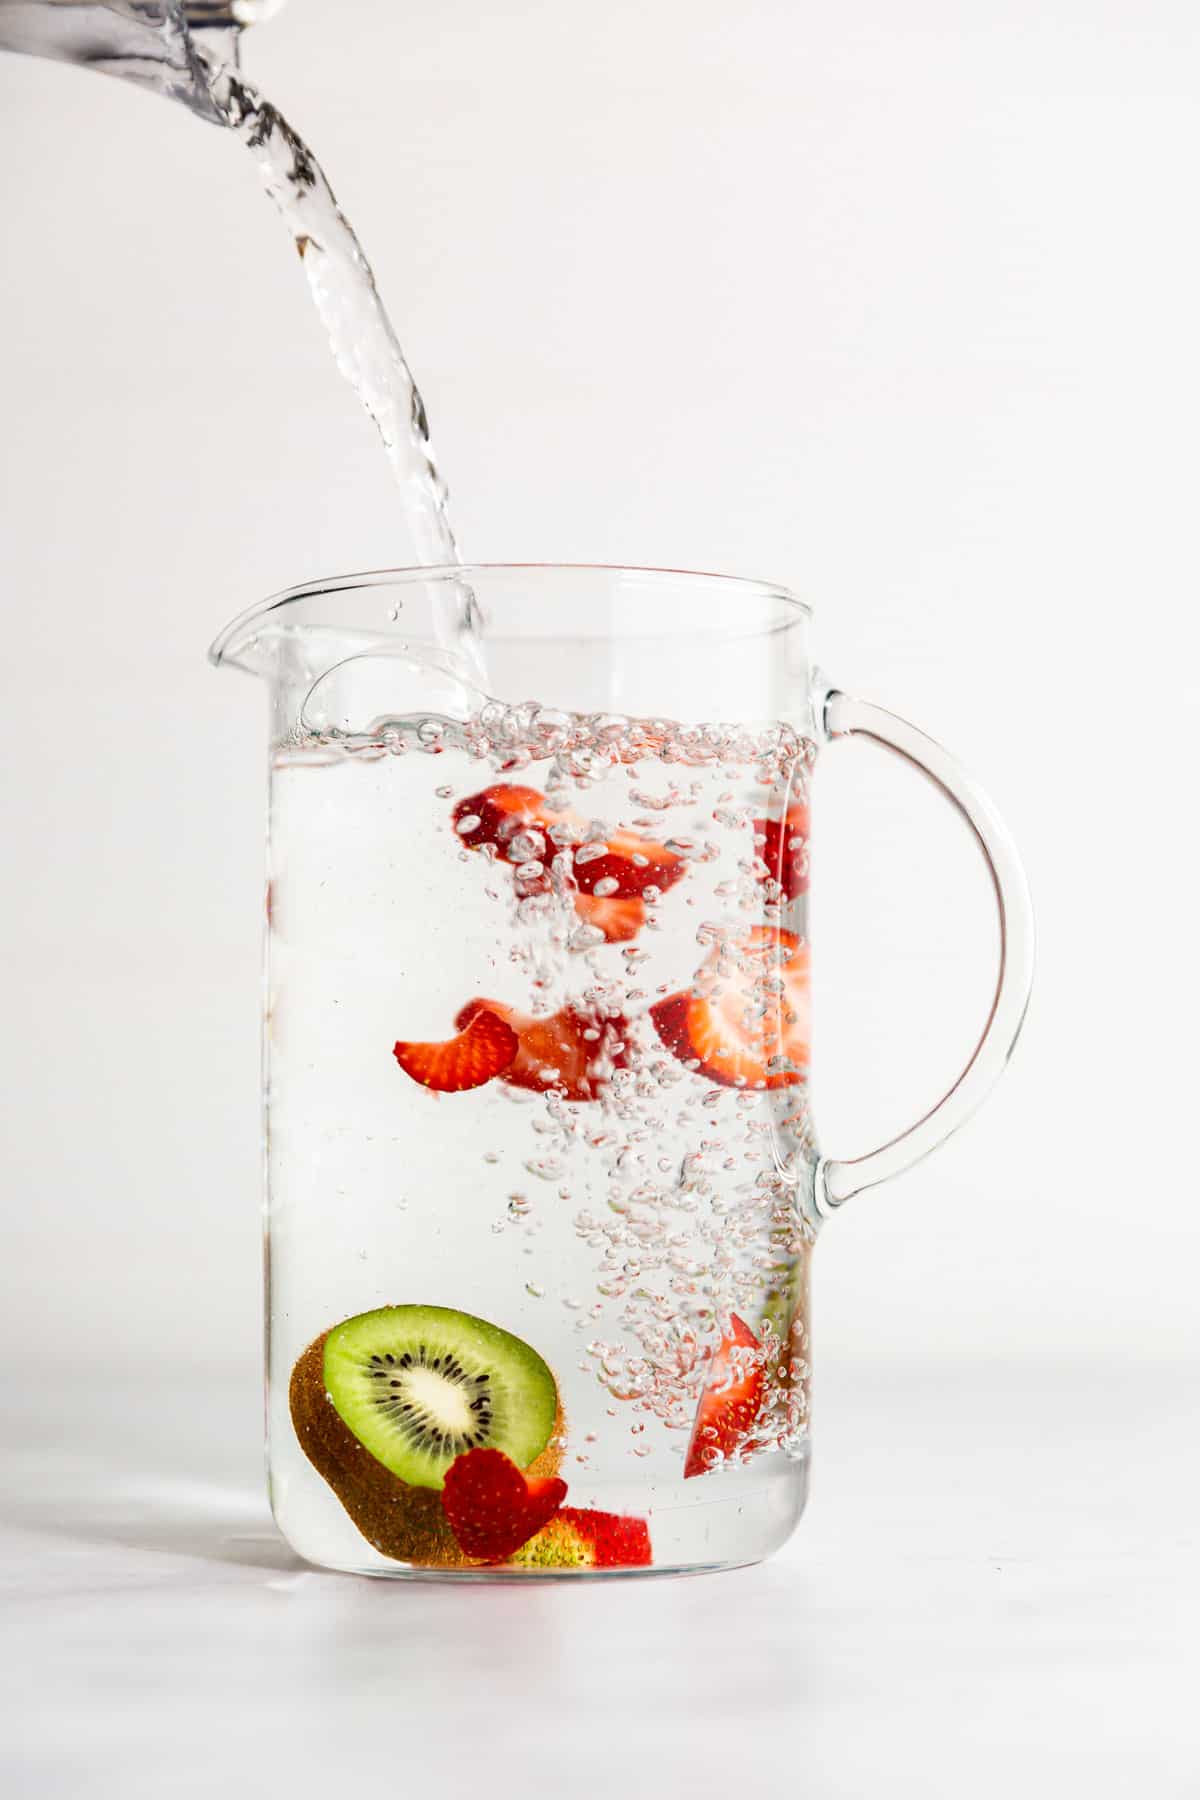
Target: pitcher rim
(744, 585)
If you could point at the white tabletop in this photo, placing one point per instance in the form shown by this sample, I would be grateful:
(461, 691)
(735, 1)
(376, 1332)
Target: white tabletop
(994, 1590)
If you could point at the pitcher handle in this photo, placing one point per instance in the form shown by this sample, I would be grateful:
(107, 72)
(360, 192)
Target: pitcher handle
(837, 1181)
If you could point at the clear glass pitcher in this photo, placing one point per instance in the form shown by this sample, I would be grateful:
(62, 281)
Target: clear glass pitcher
(543, 1184)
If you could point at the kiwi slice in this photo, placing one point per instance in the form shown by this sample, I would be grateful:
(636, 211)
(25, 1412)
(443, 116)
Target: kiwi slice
(420, 1385)
(402, 1522)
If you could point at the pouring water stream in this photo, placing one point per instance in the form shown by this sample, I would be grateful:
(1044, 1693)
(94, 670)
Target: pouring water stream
(189, 53)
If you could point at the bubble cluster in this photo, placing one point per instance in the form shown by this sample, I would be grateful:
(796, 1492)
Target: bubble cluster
(687, 1191)
(677, 1244)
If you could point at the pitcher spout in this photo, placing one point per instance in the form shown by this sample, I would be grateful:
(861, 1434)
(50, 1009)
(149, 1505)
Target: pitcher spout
(251, 642)
(170, 48)
(340, 665)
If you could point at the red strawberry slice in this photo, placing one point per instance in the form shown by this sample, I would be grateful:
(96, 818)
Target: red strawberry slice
(745, 1020)
(577, 1538)
(498, 814)
(632, 861)
(619, 920)
(570, 1052)
(617, 1539)
(492, 1508)
(730, 1402)
(783, 846)
(484, 1047)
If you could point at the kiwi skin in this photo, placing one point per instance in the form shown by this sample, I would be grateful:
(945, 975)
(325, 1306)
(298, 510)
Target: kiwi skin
(404, 1523)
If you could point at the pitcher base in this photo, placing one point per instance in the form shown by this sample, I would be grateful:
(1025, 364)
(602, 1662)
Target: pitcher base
(724, 1520)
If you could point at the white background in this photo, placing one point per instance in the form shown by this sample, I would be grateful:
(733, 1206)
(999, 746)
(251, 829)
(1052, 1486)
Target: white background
(894, 304)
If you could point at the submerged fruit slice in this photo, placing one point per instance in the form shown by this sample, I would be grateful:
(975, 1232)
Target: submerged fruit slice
(481, 1050)
(492, 1508)
(745, 1020)
(496, 815)
(419, 1385)
(405, 1523)
(783, 846)
(570, 1052)
(619, 920)
(622, 865)
(577, 1538)
(730, 1402)
(629, 860)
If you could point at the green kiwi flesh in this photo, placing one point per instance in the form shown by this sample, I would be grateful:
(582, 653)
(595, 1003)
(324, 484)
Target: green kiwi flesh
(399, 1521)
(418, 1386)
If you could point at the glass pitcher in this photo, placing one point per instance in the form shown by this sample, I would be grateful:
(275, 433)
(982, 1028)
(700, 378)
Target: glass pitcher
(171, 47)
(543, 1184)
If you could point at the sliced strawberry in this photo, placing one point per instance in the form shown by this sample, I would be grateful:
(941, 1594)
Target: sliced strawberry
(745, 1020)
(570, 1052)
(632, 861)
(577, 1538)
(500, 813)
(619, 1540)
(783, 846)
(619, 920)
(484, 1047)
(730, 1401)
(496, 815)
(492, 1507)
